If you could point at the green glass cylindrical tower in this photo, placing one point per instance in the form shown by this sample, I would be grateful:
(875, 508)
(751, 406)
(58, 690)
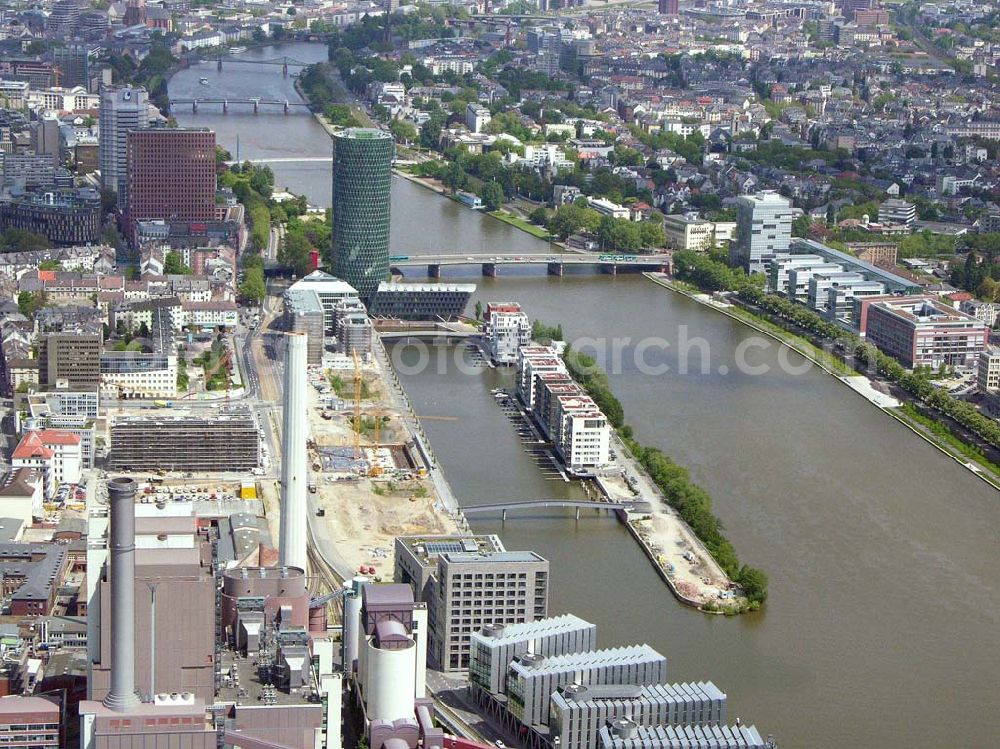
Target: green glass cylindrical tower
(362, 179)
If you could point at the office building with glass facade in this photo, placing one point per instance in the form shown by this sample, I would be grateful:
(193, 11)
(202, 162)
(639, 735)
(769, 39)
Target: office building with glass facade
(362, 178)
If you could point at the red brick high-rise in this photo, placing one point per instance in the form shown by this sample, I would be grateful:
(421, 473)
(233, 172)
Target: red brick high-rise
(668, 7)
(171, 175)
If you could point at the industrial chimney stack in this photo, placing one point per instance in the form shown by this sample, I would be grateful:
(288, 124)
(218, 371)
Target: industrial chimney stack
(294, 459)
(121, 493)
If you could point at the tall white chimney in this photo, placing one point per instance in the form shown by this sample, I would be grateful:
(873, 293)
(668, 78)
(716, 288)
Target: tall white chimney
(122, 696)
(294, 460)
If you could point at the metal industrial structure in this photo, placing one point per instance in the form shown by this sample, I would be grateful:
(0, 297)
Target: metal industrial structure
(121, 494)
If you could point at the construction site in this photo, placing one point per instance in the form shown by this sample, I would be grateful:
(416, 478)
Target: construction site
(367, 472)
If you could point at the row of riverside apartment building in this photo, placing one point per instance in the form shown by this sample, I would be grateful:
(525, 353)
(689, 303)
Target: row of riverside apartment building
(578, 429)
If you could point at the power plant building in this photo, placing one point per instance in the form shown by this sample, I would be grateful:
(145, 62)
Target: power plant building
(577, 713)
(221, 442)
(494, 648)
(362, 179)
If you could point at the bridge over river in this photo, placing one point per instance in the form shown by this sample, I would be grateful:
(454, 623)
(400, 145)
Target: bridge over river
(535, 504)
(605, 262)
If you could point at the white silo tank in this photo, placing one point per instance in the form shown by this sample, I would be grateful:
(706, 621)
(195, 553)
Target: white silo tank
(352, 622)
(391, 675)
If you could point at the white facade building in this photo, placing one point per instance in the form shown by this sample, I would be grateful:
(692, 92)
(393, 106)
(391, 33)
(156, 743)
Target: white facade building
(507, 328)
(477, 117)
(763, 229)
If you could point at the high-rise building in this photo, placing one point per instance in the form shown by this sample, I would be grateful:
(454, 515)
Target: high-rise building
(62, 21)
(73, 63)
(123, 109)
(362, 176)
(763, 229)
(71, 357)
(668, 7)
(171, 175)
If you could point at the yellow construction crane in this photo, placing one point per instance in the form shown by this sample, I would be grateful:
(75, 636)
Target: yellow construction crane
(357, 404)
(376, 469)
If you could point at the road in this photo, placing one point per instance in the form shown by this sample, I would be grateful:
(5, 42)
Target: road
(453, 698)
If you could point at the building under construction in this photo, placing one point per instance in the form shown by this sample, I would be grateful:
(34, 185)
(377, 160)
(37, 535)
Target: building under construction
(228, 441)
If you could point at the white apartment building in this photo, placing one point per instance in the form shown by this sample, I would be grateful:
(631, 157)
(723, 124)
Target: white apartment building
(56, 453)
(477, 117)
(608, 208)
(895, 211)
(506, 330)
(585, 437)
(138, 374)
(840, 298)
(688, 232)
(210, 314)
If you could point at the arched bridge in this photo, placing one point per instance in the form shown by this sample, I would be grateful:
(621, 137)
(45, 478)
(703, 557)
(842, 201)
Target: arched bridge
(605, 262)
(284, 62)
(536, 504)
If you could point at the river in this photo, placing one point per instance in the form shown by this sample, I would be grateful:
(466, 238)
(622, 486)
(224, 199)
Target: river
(882, 553)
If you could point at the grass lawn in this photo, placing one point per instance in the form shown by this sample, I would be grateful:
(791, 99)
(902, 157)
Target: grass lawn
(508, 218)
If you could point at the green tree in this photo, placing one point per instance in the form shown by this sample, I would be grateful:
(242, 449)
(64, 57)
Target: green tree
(173, 264)
(801, 225)
(22, 240)
(296, 253)
(29, 302)
(253, 288)
(492, 195)
(403, 131)
(539, 216)
(479, 310)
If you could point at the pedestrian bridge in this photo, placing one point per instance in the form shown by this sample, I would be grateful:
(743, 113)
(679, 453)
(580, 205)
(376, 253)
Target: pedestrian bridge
(604, 262)
(538, 504)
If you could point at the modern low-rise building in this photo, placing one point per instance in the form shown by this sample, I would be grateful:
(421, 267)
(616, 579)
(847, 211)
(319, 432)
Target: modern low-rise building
(578, 713)
(820, 283)
(925, 332)
(329, 290)
(64, 217)
(533, 678)
(421, 301)
(496, 646)
(626, 734)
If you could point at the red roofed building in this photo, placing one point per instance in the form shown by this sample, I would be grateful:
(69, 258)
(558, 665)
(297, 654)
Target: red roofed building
(56, 453)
